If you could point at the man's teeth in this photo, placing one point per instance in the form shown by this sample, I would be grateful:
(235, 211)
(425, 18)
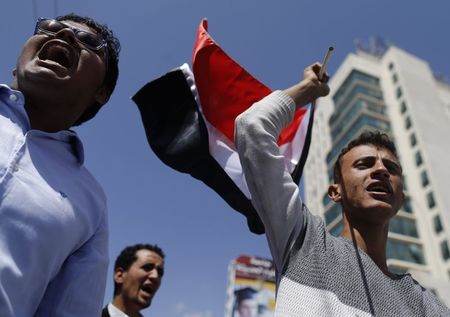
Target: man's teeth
(378, 189)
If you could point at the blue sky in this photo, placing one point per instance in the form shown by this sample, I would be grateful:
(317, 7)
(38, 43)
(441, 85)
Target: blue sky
(274, 40)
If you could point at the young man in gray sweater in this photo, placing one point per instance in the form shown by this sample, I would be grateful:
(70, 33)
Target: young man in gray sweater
(319, 274)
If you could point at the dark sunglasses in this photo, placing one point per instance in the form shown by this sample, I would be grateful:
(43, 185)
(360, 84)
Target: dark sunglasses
(51, 27)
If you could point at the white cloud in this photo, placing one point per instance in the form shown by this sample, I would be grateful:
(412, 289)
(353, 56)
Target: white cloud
(207, 313)
(180, 307)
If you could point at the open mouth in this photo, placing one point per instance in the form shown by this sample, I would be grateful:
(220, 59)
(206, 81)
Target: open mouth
(57, 52)
(379, 188)
(148, 289)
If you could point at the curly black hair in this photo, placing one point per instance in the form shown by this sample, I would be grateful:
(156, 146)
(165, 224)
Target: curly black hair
(113, 49)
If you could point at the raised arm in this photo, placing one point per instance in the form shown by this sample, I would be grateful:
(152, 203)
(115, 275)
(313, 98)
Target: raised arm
(274, 194)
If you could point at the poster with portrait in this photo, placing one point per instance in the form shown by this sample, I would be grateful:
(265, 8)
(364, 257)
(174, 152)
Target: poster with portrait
(251, 287)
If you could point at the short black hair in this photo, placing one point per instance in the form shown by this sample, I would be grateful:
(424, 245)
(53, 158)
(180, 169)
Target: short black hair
(375, 138)
(113, 49)
(128, 256)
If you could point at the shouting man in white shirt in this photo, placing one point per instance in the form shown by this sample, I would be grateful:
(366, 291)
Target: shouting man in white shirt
(137, 276)
(53, 228)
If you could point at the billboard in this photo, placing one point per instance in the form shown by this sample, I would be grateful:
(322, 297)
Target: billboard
(251, 287)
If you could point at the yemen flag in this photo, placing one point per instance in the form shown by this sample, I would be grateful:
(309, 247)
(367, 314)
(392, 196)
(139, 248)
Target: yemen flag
(189, 121)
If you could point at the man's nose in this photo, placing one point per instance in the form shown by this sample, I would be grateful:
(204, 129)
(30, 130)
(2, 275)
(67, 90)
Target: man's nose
(67, 35)
(380, 169)
(154, 275)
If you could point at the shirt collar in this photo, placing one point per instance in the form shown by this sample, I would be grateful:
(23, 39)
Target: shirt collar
(69, 137)
(5, 87)
(7, 92)
(115, 312)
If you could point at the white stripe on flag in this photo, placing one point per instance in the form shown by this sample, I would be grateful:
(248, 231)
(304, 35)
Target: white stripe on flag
(292, 151)
(224, 151)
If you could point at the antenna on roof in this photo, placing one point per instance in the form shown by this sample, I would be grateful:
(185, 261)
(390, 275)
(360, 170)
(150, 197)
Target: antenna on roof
(55, 8)
(34, 5)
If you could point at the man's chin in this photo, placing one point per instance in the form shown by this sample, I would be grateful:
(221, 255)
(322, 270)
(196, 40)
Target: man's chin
(145, 302)
(380, 212)
(144, 305)
(379, 203)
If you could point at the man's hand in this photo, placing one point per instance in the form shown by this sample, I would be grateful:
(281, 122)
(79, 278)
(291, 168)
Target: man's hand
(310, 88)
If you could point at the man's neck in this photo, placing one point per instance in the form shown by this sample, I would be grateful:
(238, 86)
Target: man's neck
(44, 121)
(371, 238)
(130, 309)
(44, 118)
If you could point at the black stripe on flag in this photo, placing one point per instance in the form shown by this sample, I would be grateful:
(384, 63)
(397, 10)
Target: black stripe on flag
(177, 134)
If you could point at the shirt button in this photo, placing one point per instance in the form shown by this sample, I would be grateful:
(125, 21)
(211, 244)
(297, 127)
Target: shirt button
(12, 97)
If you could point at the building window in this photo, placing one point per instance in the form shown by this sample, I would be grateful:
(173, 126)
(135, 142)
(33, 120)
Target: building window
(405, 183)
(391, 66)
(424, 179)
(437, 224)
(412, 139)
(408, 123)
(445, 250)
(403, 107)
(337, 229)
(430, 200)
(419, 159)
(334, 212)
(394, 78)
(325, 199)
(358, 77)
(407, 207)
(399, 92)
(404, 251)
(403, 226)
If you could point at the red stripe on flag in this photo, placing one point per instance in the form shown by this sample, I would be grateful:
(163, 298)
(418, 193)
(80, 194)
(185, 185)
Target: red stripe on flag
(226, 89)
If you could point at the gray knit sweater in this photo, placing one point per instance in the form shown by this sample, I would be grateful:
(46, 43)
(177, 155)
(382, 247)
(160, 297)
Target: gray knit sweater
(318, 274)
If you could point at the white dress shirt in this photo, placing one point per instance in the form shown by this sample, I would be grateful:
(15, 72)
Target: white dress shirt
(53, 221)
(115, 312)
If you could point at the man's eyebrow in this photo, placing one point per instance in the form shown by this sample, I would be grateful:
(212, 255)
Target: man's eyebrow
(364, 158)
(394, 162)
(373, 157)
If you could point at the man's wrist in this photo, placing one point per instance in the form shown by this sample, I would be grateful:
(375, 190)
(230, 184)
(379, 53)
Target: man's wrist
(301, 93)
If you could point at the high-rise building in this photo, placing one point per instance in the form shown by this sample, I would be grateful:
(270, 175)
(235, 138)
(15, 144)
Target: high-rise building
(388, 89)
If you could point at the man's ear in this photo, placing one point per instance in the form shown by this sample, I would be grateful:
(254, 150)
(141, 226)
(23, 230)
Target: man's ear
(102, 95)
(14, 84)
(334, 192)
(118, 275)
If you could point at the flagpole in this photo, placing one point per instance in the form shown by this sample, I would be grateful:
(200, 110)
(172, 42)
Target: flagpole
(325, 61)
(322, 69)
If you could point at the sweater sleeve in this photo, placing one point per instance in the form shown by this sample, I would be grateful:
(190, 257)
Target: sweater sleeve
(275, 195)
